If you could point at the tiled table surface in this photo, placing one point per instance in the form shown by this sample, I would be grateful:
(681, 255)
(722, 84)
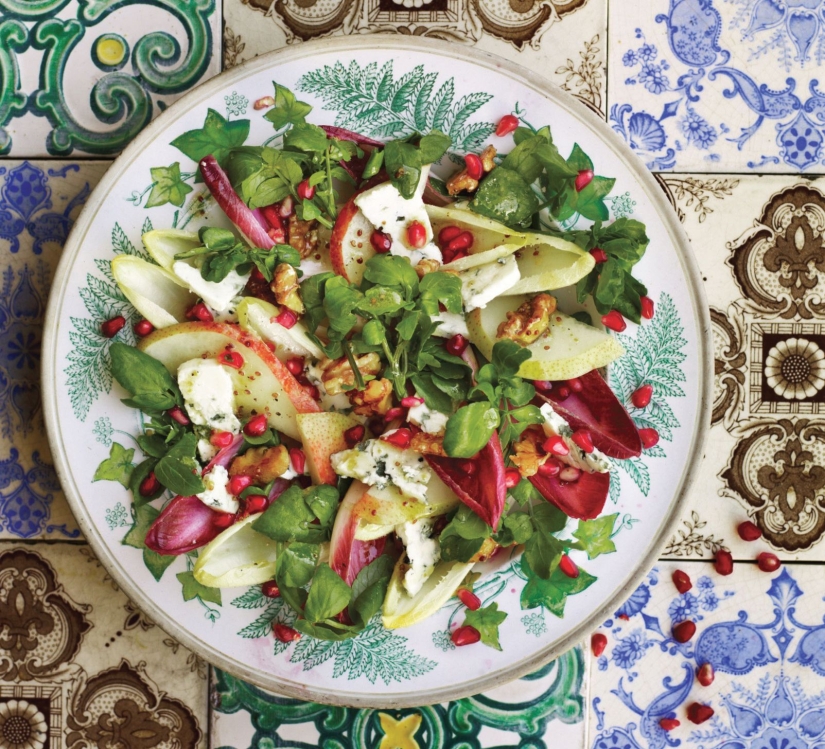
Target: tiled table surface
(721, 98)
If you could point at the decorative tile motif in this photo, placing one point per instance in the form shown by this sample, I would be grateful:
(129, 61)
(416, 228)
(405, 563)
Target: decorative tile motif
(88, 76)
(763, 636)
(719, 85)
(541, 710)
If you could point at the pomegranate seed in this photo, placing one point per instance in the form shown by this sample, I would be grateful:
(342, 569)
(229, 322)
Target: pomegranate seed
(411, 401)
(305, 191)
(354, 435)
(723, 562)
(641, 398)
(569, 474)
(647, 307)
(178, 415)
(255, 503)
(598, 643)
(583, 439)
(511, 477)
(682, 581)
(599, 255)
(668, 724)
(295, 365)
(543, 385)
(472, 163)
(298, 459)
(264, 102)
(111, 328)
(563, 392)
(398, 437)
(465, 635)
(614, 321)
(461, 243)
(256, 426)
(284, 633)
(256, 275)
(416, 235)
(768, 562)
(286, 207)
(683, 631)
(699, 713)
(393, 414)
(231, 359)
(238, 483)
(286, 317)
(223, 519)
(556, 445)
(270, 589)
(568, 566)
(448, 234)
(705, 675)
(649, 437)
(149, 485)
(313, 391)
(456, 345)
(469, 599)
(273, 218)
(221, 439)
(506, 125)
(200, 312)
(748, 531)
(143, 328)
(380, 241)
(583, 179)
(575, 385)
(623, 617)
(550, 468)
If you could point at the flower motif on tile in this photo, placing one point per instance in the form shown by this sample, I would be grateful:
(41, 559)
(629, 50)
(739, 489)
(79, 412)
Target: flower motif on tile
(792, 27)
(795, 368)
(22, 725)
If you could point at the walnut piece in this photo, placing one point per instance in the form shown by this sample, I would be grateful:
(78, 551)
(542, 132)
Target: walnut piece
(487, 550)
(374, 399)
(426, 266)
(529, 321)
(487, 156)
(428, 444)
(528, 454)
(337, 374)
(261, 464)
(461, 182)
(286, 289)
(302, 235)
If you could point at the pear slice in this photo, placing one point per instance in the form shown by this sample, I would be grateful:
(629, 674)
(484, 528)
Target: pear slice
(322, 435)
(548, 263)
(153, 291)
(256, 315)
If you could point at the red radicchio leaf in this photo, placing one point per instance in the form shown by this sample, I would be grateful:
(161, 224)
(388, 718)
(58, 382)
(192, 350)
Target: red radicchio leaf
(225, 454)
(432, 196)
(583, 499)
(347, 555)
(483, 491)
(185, 524)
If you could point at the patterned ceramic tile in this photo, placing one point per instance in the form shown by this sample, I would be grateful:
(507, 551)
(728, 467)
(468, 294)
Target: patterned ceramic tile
(543, 710)
(762, 634)
(562, 39)
(87, 76)
(38, 203)
(81, 668)
(760, 246)
(719, 85)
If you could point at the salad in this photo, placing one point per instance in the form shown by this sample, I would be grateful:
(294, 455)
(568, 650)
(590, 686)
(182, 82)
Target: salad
(384, 375)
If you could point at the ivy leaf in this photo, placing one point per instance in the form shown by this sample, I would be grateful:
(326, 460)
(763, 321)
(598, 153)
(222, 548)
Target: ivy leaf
(487, 621)
(590, 202)
(178, 470)
(145, 515)
(287, 110)
(552, 593)
(117, 467)
(595, 535)
(543, 552)
(218, 137)
(167, 186)
(193, 589)
(157, 563)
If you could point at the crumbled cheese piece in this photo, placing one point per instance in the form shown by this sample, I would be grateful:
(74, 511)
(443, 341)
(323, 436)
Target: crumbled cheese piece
(206, 450)
(379, 463)
(556, 425)
(430, 421)
(423, 552)
(450, 324)
(208, 392)
(217, 495)
(219, 296)
(483, 283)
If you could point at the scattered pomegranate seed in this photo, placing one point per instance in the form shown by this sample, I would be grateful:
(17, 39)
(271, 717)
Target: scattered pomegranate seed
(623, 617)
(305, 190)
(641, 398)
(410, 401)
(238, 483)
(456, 345)
(221, 439)
(354, 435)
(568, 566)
(149, 485)
(178, 415)
(111, 328)
(599, 255)
(549, 468)
(263, 103)
(295, 364)
(298, 459)
(511, 477)
(556, 445)
(231, 359)
(768, 562)
(286, 317)
(469, 599)
(647, 307)
(381, 242)
(570, 474)
(748, 531)
(583, 179)
(284, 633)
(614, 321)
(705, 675)
(668, 724)
(460, 243)
(393, 414)
(699, 713)
(472, 163)
(223, 519)
(256, 426)
(723, 562)
(398, 437)
(465, 635)
(448, 234)
(200, 312)
(416, 235)
(683, 631)
(598, 643)
(575, 385)
(506, 125)
(584, 440)
(682, 581)
(255, 503)
(270, 589)
(649, 437)
(143, 328)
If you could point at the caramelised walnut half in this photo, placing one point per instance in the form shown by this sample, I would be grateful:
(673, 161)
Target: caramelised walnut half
(337, 374)
(528, 454)
(286, 289)
(487, 156)
(461, 182)
(529, 321)
(427, 265)
(302, 235)
(428, 444)
(374, 400)
(261, 464)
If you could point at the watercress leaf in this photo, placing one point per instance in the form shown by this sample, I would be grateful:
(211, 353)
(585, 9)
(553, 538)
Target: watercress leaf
(516, 528)
(483, 390)
(241, 163)
(215, 238)
(394, 272)
(434, 397)
(469, 429)
(508, 356)
(305, 137)
(549, 518)
(487, 373)
(522, 159)
(403, 163)
(553, 162)
(455, 389)
(374, 333)
(381, 300)
(340, 301)
(264, 191)
(307, 210)
(117, 467)
(323, 502)
(369, 589)
(524, 492)
(287, 110)
(406, 328)
(522, 134)
(167, 186)
(433, 146)
(218, 137)
(519, 392)
(468, 525)
(153, 445)
(178, 470)
(543, 553)
(443, 288)
(487, 621)
(193, 589)
(596, 535)
(527, 415)
(290, 519)
(552, 593)
(505, 196)
(457, 549)
(139, 373)
(374, 164)
(312, 294)
(328, 595)
(295, 564)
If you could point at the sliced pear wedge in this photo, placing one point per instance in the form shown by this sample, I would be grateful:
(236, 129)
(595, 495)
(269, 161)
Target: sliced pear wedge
(164, 244)
(256, 315)
(568, 349)
(153, 291)
(322, 435)
(238, 556)
(548, 263)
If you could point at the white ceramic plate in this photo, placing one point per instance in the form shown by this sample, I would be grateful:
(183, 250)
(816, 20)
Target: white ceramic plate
(379, 86)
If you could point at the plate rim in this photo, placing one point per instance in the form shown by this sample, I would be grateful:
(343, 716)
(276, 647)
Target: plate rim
(342, 45)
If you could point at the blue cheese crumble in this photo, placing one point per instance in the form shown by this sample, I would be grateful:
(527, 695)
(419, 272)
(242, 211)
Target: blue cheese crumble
(423, 552)
(217, 495)
(209, 394)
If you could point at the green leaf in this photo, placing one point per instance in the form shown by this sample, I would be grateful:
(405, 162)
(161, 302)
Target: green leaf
(579, 160)
(380, 300)
(328, 595)
(369, 589)
(440, 288)
(139, 473)
(504, 196)
(516, 528)
(548, 517)
(403, 163)
(157, 563)
(295, 564)
(525, 492)
(487, 621)
(394, 272)
(595, 535)
(145, 515)
(193, 589)
(590, 202)
(293, 517)
(435, 398)
(374, 333)
(167, 186)
(340, 301)
(287, 110)
(543, 553)
(469, 429)
(178, 470)
(552, 593)
(218, 137)
(463, 536)
(433, 146)
(508, 356)
(117, 467)
(306, 137)
(142, 375)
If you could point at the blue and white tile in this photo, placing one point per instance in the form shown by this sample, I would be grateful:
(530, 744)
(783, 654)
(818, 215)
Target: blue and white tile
(719, 85)
(39, 202)
(762, 633)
